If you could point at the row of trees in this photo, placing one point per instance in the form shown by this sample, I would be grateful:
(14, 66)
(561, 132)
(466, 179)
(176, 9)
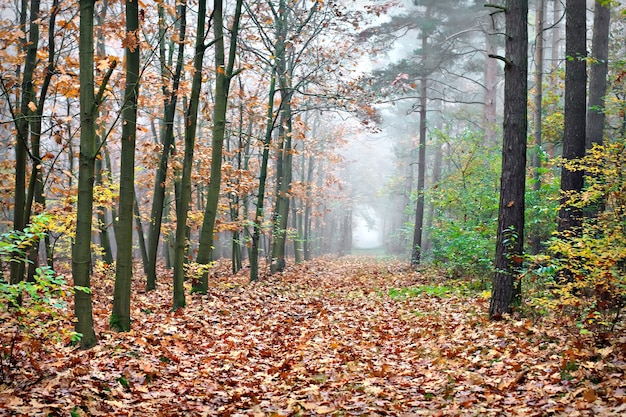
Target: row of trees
(450, 79)
(209, 105)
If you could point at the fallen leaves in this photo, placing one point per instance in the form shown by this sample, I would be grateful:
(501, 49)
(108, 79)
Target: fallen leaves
(323, 338)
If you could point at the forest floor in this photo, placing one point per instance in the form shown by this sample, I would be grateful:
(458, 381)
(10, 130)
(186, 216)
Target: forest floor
(343, 337)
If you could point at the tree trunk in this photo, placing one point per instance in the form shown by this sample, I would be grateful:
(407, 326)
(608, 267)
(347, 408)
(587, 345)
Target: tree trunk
(258, 216)
(140, 236)
(416, 249)
(81, 250)
(223, 77)
(283, 173)
(158, 199)
(510, 238)
(538, 109)
(191, 122)
(36, 186)
(575, 112)
(120, 315)
(22, 124)
(597, 74)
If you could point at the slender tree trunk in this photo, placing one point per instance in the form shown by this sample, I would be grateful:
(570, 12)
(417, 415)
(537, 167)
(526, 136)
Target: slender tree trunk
(140, 235)
(258, 217)
(308, 208)
(281, 210)
(103, 226)
(598, 73)
(510, 238)
(223, 77)
(81, 250)
(435, 180)
(23, 122)
(158, 199)
(538, 109)
(191, 122)
(537, 99)
(416, 249)
(35, 186)
(120, 315)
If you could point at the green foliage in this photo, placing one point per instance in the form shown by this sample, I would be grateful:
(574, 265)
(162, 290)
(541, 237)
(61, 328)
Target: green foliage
(542, 207)
(465, 203)
(14, 244)
(33, 312)
(584, 272)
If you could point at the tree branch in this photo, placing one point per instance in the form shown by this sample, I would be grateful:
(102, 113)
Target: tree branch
(506, 61)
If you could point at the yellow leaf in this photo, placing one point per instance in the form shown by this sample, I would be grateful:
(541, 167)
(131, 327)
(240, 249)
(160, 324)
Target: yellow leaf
(32, 106)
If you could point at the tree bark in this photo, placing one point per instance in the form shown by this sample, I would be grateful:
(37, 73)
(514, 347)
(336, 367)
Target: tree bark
(510, 238)
(416, 251)
(575, 112)
(191, 122)
(538, 109)
(158, 199)
(597, 74)
(223, 77)
(258, 216)
(120, 315)
(81, 250)
(22, 124)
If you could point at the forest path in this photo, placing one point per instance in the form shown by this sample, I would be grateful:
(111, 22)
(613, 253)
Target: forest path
(342, 337)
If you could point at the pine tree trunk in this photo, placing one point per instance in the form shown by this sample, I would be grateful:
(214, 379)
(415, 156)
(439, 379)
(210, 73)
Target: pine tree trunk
(538, 109)
(575, 112)
(416, 250)
(510, 238)
(598, 74)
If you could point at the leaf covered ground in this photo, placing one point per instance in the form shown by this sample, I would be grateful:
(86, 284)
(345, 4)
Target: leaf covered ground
(342, 337)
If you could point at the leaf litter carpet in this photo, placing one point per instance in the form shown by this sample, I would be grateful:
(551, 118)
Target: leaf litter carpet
(322, 338)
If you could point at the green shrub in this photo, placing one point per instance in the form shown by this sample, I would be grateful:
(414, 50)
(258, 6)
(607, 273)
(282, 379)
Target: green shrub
(34, 313)
(583, 272)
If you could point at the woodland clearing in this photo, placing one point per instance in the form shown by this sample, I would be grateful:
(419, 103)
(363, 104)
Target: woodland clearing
(347, 336)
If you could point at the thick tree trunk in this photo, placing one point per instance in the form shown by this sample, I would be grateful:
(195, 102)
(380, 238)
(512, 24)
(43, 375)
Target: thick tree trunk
(510, 238)
(575, 112)
(81, 250)
(120, 315)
